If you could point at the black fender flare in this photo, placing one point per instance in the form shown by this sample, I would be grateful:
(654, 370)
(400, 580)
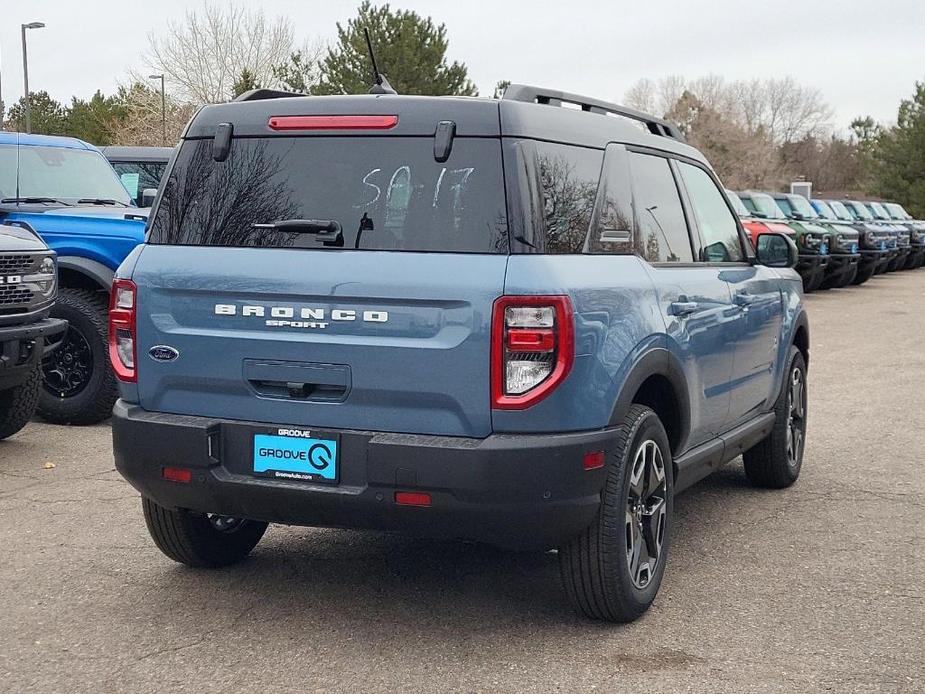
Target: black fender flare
(656, 362)
(801, 321)
(92, 269)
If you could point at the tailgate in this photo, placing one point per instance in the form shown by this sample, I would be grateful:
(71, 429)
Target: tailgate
(373, 340)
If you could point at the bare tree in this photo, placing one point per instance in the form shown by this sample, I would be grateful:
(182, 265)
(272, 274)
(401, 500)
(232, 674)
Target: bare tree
(141, 123)
(741, 159)
(202, 55)
(781, 109)
(642, 95)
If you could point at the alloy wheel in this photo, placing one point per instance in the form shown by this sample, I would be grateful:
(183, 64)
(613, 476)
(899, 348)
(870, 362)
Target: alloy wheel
(796, 416)
(646, 513)
(67, 370)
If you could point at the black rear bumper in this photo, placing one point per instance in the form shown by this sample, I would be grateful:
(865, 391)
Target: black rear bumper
(23, 346)
(520, 491)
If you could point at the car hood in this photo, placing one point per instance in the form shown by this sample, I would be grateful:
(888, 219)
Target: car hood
(99, 222)
(16, 239)
(101, 211)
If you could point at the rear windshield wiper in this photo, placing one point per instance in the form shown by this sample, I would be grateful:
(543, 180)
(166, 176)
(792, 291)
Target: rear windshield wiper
(328, 231)
(101, 201)
(36, 200)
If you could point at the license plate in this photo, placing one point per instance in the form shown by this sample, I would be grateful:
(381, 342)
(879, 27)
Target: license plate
(308, 457)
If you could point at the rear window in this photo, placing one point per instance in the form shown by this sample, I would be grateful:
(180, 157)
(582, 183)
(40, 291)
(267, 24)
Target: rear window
(390, 187)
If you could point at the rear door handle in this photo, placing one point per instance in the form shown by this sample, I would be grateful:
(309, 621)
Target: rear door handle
(683, 308)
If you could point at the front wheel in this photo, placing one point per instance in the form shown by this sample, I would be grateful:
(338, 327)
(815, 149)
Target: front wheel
(17, 404)
(78, 385)
(864, 273)
(612, 571)
(776, 461)
(201, 540)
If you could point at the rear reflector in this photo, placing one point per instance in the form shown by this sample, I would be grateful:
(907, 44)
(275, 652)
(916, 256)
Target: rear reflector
(412, 498)
(332, 122)
(177, 474)
(593, 461)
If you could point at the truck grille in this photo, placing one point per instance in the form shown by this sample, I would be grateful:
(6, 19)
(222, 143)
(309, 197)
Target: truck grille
(17, 264)
(13, 296)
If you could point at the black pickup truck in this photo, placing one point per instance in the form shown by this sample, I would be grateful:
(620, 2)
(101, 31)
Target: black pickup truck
(28, 286)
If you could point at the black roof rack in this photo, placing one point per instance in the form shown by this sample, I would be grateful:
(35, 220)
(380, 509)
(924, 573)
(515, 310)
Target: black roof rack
(260, 94)
(552, 97)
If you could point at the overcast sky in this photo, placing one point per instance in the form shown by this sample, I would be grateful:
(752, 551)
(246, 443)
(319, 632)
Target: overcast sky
(864, 57)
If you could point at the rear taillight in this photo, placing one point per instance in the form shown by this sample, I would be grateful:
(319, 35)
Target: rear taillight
(532, 348)
(122, 306)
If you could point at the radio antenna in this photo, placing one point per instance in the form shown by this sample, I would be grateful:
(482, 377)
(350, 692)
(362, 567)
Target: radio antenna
(381, 84)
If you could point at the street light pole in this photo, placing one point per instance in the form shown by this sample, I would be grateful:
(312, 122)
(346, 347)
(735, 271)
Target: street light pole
(163, 109)
(25, 70)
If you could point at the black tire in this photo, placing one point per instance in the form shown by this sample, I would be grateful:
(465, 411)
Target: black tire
(79, 386)
(196, 540)
(17, 404)
(864, 274)
(773, 462)
(596, 566)
(849, 277)
(812, 282)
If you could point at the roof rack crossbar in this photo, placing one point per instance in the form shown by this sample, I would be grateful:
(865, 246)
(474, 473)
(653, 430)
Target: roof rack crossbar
(260, 94)
(552, 97)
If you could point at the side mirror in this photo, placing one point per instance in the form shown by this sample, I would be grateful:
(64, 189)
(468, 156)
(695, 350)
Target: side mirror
(147, 197)
(799, 216)
(776, 250)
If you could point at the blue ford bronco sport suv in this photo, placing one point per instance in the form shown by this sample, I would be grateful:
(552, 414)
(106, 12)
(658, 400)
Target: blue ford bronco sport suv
(64, 190)
(500, 320)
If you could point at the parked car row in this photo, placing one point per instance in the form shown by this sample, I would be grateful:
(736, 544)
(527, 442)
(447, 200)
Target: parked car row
(840, 242)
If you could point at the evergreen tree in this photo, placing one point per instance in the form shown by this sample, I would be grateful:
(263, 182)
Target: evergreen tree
(410, 51)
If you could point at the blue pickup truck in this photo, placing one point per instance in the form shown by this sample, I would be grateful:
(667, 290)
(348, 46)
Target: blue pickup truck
(498, 320)
(65, 191)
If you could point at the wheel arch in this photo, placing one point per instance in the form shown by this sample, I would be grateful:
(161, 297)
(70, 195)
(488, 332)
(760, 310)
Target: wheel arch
(83, 273)
(657, 381)
(801, 335)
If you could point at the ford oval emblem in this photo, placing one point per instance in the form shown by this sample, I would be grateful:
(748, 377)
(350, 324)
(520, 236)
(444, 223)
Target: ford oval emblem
(163, 353)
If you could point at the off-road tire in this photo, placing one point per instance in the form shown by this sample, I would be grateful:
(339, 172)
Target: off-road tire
(863, 275)
(87, 313)
(849, 278)
(595, 566)
(813, 282)
(17, 404)
(769, 462)
(192, 538)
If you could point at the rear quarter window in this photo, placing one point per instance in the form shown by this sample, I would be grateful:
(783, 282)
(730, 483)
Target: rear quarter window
(386, 193)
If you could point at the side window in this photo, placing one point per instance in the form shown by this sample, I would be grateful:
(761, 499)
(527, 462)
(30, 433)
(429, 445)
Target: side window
(569, 177)
(612, 222)
(661, 230)
(721, 243)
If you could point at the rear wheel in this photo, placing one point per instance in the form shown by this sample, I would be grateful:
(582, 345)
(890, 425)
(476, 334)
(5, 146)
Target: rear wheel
(776, 461)
(78, 385)
(613, 570)
(200, 539)
(17, 404)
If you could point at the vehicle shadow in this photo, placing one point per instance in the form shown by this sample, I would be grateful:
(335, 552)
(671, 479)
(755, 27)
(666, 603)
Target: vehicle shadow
(299, 576)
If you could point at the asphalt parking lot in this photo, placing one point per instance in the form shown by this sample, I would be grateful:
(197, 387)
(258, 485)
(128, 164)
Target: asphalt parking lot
(817, 588)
